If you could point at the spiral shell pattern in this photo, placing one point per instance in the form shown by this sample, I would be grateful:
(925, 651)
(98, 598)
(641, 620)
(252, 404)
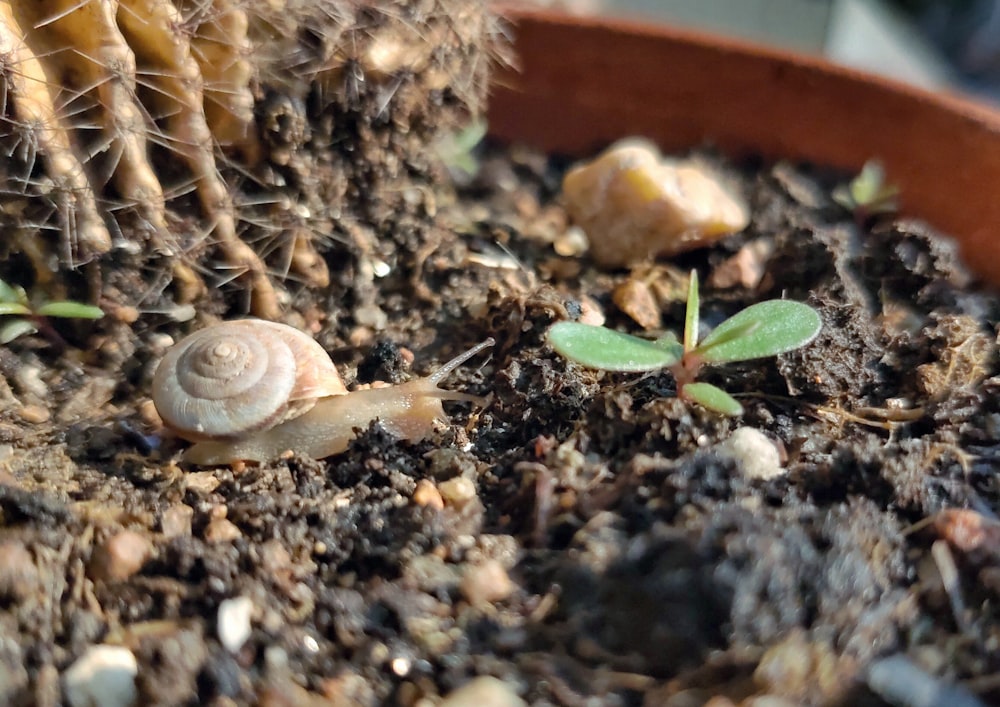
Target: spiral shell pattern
(238, 377)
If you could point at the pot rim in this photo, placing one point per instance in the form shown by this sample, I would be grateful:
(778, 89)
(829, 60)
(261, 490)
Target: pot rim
(582, 82)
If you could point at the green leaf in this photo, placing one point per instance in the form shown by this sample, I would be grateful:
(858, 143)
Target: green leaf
(13, 328)
(13, 293)
(76, 310)
(735, 332)
(455, 149)
(7, 293)
(868, 191)
(715, 399)
(764, 329)
(869, 188)
(691, 314)
(670, 342)
(609, 350)
(13, 308)
(842, 196)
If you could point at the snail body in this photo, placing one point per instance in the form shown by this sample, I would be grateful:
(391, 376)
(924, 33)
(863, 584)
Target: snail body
(211, 390)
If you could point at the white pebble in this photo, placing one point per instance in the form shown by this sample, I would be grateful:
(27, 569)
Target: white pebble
(233, 622)
(104, 676)
(758, 456)
(483, 691)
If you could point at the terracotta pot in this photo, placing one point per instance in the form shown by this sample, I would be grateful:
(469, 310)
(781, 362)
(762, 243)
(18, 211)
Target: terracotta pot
(583, 83)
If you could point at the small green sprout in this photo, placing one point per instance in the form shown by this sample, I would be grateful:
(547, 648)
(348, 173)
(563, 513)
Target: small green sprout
(29, 317)
(764, 329)
(457, 150)
(868, 194)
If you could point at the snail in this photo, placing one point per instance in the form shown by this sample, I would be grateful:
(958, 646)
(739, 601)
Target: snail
(250, 390)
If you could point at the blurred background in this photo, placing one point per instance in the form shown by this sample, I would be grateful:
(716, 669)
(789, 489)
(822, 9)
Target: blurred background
(938, 45)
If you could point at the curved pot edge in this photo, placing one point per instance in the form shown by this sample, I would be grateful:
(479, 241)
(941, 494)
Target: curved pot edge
(583, 82)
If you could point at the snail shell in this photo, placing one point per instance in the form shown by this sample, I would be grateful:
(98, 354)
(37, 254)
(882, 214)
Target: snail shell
(234, 378)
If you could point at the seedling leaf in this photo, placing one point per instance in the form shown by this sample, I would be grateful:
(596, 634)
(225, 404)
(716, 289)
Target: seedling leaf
(13, 328)
(768, 329)
(13, 308)
(609, 350)
(669, 341)
(75, 310)
(868, 192)
(713, 398)
(7, 293)
(735, 332)
(691, 314)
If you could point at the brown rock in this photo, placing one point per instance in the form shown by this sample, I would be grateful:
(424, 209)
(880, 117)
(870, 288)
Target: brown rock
(176, 521)
(635, 298)
(221, 530)
(486, 583)
(634, 205)
(119, 557)
(426, 494)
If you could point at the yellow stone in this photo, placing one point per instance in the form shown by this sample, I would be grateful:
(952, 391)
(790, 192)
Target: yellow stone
(635, 205)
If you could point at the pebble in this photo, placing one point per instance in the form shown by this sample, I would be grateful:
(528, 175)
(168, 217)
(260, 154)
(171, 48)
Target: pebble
(104, 676)
(427, 495)
(233, 623)
(28, 380)
(571, 243)
(18, 573)
(347, 688)
(458, 492)
(221, 530)
(635, 298)
(486, 583)
(204, 482)
(34, 414)
(431, 574)
(745, 269)
(591, 312)
(176, 521)
(120, 556)
(900, 681)
(633, 204)
(370, 315)
(758, 455)
(483, 691)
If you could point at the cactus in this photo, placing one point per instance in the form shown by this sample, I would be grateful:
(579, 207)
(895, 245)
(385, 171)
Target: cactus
(181, 145)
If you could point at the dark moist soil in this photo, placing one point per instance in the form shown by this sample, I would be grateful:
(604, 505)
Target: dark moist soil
(579, 537)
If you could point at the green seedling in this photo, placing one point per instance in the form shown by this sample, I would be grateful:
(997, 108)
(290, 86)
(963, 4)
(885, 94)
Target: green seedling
(29, 317)
(764, 329)
(868, 194)
(457, 150)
